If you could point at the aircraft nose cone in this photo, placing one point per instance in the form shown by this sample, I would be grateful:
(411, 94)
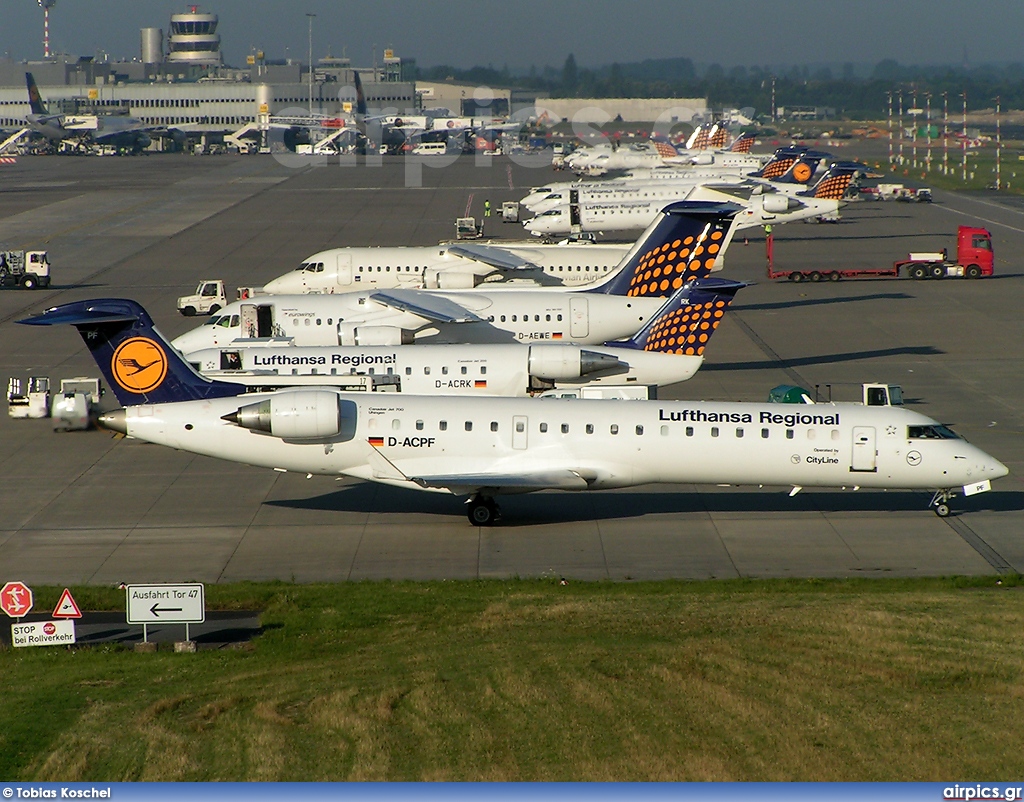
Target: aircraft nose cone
(997, 469)
(115, 420)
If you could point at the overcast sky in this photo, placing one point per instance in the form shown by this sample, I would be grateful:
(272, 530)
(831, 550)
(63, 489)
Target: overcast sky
(539, 32)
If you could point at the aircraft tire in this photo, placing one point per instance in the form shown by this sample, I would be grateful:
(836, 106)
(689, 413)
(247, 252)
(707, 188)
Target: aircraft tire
(942, 509)
(482, 512)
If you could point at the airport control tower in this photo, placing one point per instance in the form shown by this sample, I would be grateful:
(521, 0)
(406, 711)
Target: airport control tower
(194, 39)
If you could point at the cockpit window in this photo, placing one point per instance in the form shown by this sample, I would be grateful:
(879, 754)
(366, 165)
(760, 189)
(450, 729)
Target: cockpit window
(224, 321)
(303, 266)
(934, 432)
(552, 213)
(213, 321)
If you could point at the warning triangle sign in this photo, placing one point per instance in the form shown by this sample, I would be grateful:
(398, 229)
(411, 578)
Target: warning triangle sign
(66, 607)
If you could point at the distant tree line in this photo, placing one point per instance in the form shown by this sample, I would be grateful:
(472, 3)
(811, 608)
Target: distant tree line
(852, 95)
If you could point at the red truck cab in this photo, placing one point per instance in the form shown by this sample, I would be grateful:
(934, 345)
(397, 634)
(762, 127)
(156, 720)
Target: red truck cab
(974, 251)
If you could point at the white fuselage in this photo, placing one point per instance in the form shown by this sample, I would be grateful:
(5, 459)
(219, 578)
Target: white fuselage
(423, 442)
(661, 191)
(434, 267)
(620, 217)
(353, 318)
(474, 370)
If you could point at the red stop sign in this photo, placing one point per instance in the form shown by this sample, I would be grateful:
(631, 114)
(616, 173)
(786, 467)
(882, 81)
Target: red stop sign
(15, 599)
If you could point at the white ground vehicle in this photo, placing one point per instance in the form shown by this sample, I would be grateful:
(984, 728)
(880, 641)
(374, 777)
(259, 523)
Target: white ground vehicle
(72, 408)
(208, 298)
(27, 269)
(35, 403)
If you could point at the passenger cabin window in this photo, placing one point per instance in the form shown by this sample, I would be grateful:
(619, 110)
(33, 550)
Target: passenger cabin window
(639, 429)
(614, 428)
(494, 426)
(935, 432)
(443, 426)
(543, 428)
(396, 424)
(714, 431)
(590, 428)
(469, 426)
(419, 426)
(565, 428)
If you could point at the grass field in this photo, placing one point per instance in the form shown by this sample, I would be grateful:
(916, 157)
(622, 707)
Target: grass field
(533, 680)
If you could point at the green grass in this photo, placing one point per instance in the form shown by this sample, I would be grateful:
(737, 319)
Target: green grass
(531, 680)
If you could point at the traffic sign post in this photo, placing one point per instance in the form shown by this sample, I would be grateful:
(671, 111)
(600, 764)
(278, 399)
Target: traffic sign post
(166, 604)
(16, 599)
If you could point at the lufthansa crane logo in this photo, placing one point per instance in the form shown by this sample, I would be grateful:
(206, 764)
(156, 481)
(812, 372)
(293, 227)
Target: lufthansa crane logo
(802, 172)
(139, 365)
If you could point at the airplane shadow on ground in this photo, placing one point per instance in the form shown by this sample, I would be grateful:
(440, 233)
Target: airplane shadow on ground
(825, 359)
(560, 508)
(878, 296)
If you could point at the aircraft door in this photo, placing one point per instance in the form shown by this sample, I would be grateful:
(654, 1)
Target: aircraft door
(344, 270)
(519, 431)
(579, 319)
(864, 449)
(250, 321)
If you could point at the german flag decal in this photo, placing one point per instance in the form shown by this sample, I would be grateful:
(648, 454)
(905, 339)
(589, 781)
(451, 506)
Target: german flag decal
(556, 335)
(480, 383)
(376, 442)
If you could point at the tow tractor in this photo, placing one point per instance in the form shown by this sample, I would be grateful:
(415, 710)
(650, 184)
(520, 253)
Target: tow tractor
(974, 259)
(208, 299)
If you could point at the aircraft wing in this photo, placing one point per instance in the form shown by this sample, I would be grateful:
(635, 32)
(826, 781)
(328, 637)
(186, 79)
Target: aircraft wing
(428, 306)
(469, 482)
(498, 258)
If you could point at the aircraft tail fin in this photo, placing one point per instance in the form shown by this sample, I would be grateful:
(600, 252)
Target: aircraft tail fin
(682, 243)
(779, 163)
(35, 100)
(719, 137)
(138, 363)
(802, 170)
(360, 96)
(742, 144)
(834, 184)
(685, 324)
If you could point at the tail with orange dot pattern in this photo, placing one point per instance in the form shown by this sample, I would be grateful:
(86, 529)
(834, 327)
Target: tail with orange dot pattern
(685, 324)
(836, 181)
(681, 244)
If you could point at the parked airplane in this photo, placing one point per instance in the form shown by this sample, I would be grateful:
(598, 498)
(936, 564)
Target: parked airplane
(116, 130)
(618, 217)
(684, 242)
(449, 267)
(483, 447)
(668, 349)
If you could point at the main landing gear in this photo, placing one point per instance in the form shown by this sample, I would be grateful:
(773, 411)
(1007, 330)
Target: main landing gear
(482, 511)
(940, 502)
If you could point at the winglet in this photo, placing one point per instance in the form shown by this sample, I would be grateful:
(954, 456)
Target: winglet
(138, 363)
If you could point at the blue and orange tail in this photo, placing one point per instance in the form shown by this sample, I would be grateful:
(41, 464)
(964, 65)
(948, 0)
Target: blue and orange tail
(834, 184)
(360, 96)
(35, 100)
(742, 144)
(140, 366)
(802, 170)
(685, 324)
(681, 244)
(780, 162)
(719, 136)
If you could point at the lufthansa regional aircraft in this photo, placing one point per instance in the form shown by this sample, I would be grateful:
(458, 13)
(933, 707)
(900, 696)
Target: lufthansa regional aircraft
(668, 349)
(616, 216)
(484, 447)
(450, 267)
(685, 242)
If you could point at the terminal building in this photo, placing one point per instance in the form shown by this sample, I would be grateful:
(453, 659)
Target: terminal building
(182, 82)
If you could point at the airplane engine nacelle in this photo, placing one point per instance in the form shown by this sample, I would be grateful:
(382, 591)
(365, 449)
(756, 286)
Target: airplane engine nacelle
(562, 362)
(778, 204)
(354, 334)
(300, 415)
(456, 280)
(703, 158)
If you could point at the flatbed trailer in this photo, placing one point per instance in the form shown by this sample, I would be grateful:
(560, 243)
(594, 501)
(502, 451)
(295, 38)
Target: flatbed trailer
(974, 259)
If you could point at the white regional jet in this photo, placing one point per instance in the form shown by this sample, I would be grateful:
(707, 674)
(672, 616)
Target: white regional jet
(619, 216)
(483, 447)
(449, 267)
(684, 242)
(668, 349)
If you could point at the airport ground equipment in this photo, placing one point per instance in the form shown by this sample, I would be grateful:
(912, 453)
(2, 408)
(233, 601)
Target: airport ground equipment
(872, 395)
(510, 212)
(73, 407)
(467, 228)
(208, 298)
(974, 259)
(33, 403)
(27, 269)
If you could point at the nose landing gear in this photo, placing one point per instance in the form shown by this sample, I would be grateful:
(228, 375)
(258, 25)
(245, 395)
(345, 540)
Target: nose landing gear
(940, 502)
(482, 511)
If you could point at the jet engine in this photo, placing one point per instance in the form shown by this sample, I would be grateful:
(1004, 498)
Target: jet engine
(561, 362)
(354, 334)
(299, 415)
(778, 204)
(452, 280)
(702, 158)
